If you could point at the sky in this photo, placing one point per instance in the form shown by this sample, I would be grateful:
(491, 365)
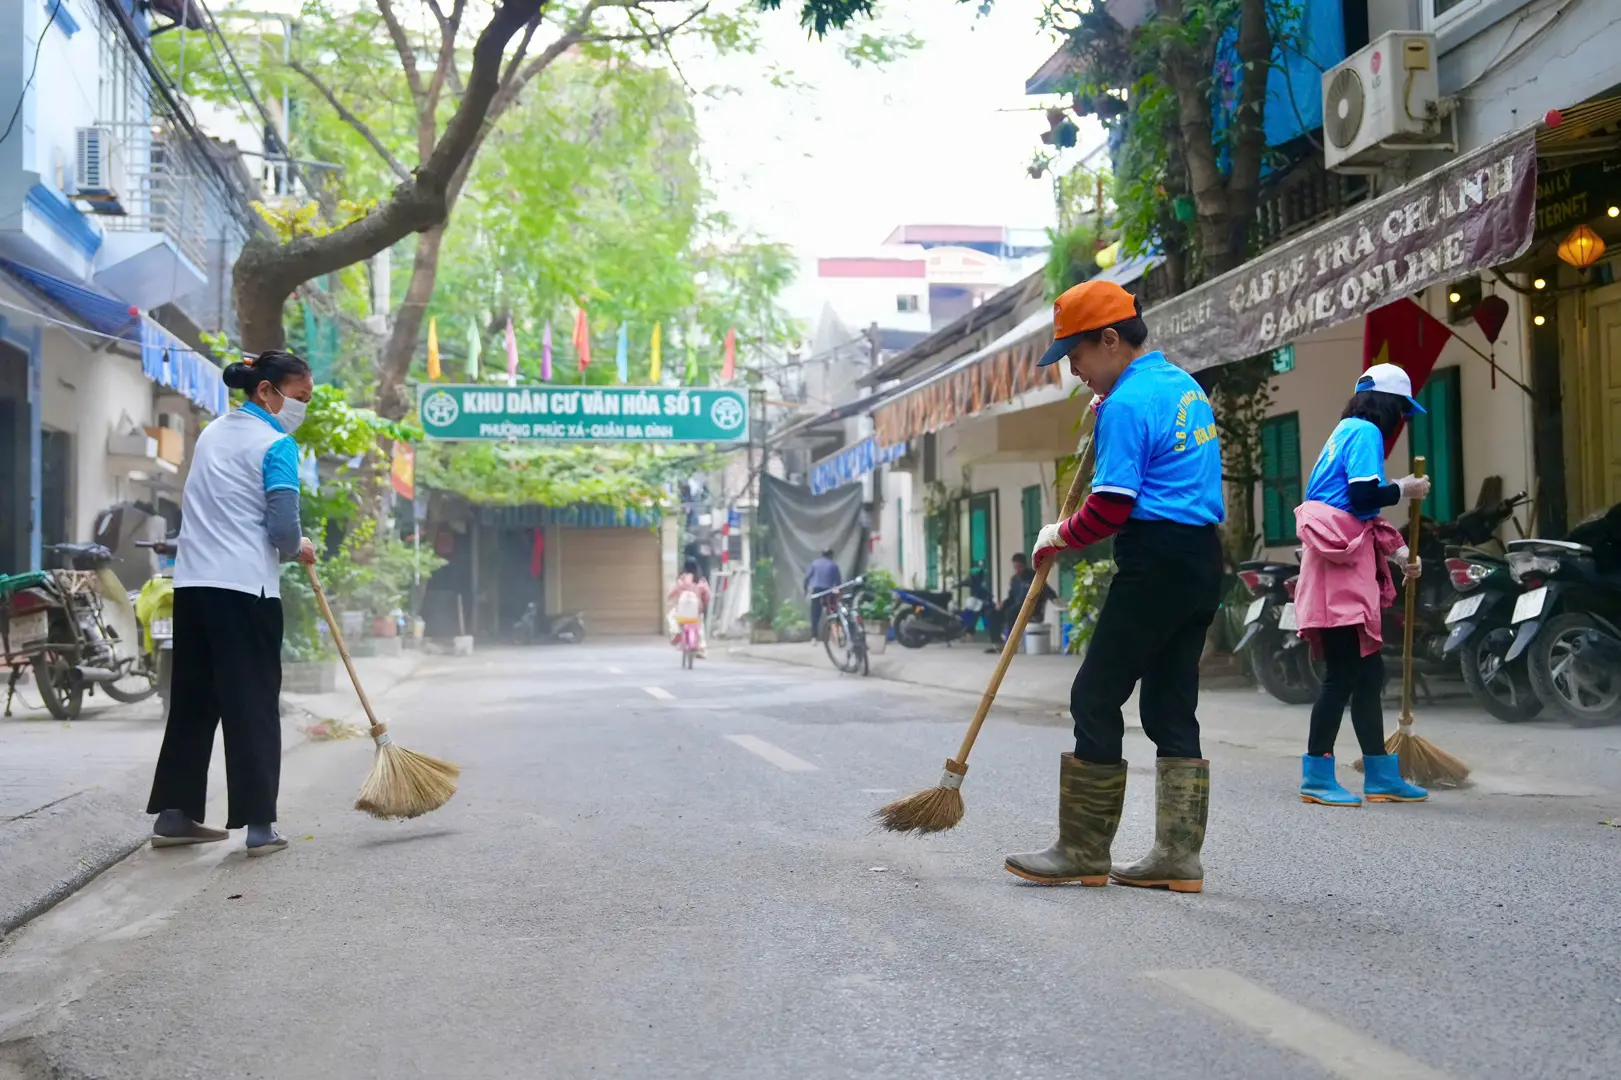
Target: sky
(943, 136)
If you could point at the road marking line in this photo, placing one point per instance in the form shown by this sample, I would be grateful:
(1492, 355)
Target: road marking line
(614, 671)
(779, 757)
(659, 692)
(1341, 1051)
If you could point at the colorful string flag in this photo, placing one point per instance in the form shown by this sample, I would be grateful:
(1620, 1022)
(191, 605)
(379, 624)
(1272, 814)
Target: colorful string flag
(512, 354)
(582, 338)
(433, 348)
(622, 354)
(656, 367)
(691, 375)
(728, 364)
(546, 353)
(474, 347)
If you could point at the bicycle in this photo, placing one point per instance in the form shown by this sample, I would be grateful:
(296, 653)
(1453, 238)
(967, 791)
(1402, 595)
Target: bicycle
(843, 634)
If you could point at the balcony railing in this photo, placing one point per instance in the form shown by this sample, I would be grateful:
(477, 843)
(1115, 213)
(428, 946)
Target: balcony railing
(162, 189)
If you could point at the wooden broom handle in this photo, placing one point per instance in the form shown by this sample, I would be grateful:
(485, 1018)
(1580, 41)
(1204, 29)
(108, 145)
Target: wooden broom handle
(337, 638)
(1077, 486)
(1410, 597)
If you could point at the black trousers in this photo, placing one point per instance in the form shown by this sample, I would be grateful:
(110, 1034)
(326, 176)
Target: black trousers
(1352, 678)
(1152, 628)
(227, 672)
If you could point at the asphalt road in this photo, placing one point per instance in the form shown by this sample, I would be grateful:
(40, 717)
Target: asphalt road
(654, 873)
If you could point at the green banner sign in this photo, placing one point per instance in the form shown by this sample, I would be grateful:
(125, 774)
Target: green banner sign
(583, 414)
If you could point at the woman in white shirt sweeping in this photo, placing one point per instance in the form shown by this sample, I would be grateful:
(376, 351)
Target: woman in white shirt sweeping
(239, 522)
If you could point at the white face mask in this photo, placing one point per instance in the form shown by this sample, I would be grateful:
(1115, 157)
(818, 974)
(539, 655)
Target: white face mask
(292, 413)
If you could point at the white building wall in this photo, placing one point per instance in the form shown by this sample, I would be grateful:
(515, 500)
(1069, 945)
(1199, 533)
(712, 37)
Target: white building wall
(860, 302)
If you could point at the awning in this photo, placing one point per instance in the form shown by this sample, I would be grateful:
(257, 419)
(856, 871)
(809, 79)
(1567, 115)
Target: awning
(997, 373)
(165, 359)
(1473, 213)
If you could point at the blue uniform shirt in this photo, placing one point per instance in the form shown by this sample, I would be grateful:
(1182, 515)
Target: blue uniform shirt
(1156, 442)
(1355, 451)
(281, 460)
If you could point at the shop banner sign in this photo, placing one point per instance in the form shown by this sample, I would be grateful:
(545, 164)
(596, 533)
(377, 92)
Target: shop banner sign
(1473, 213)
(851, 464)
(583, 414)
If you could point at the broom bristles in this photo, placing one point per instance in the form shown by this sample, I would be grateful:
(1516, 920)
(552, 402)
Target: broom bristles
(931, 810)
(1422, 762)
(405, 784)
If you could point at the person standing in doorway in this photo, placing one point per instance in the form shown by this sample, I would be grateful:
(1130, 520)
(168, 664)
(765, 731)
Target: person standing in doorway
(1157, 482)
(822, 575)
(239, 522)
(1345, 581)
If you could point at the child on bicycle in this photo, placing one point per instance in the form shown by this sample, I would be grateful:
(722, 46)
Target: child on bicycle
(689, 603)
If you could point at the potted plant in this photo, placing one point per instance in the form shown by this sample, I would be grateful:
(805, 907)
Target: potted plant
(762, 584)
(877, 607)
(791, 622)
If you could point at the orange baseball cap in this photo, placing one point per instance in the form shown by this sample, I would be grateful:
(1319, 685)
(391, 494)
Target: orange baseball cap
(1091, 305)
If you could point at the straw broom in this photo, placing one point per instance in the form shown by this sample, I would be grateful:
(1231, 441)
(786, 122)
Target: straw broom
(402, 783)
(939, 808)
(1417, 759)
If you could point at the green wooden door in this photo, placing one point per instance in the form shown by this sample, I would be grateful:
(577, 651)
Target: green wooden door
(1030, 505)
(1437, 435)
(981, 520)
(1280, 478)
(931, 552)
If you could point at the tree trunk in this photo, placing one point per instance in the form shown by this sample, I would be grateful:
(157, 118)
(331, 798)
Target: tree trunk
(393, 401)
(266, 273)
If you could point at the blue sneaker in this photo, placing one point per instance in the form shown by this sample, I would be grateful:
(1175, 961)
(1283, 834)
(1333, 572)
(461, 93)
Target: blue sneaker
(1383, 782)
(1317, 783)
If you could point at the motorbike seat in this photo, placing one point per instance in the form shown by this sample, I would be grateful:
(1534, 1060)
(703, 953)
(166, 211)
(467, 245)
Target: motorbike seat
(84, 556)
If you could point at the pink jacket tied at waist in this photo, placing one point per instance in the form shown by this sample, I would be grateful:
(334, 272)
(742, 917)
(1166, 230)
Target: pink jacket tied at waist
(1344, 577)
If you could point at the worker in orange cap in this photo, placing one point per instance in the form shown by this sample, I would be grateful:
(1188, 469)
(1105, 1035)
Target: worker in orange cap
(1157, 484)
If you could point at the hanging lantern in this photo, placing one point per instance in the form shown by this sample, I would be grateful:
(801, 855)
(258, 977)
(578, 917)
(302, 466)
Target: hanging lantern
(1581, 248)
(1490, 315)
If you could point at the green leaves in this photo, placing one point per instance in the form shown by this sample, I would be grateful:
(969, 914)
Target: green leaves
(519, 474)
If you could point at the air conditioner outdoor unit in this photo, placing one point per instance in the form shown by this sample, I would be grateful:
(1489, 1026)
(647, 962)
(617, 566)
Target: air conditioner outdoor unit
(100, 173)
(1382, 99)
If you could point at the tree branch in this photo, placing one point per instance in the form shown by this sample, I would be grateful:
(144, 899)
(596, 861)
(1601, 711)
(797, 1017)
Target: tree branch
(448, 28)
(365, 132)
(266, 273)
(403, 46)
(660, 37)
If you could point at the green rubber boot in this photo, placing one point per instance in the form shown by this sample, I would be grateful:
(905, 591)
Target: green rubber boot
(1182, 805)
(1089, 801)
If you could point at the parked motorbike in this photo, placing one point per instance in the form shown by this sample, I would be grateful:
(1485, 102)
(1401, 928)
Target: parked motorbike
(924, 618)
(1479, 631)
(1282, 663)
(154, 608)
(533, 628)
(77, 630)
(1567, 618)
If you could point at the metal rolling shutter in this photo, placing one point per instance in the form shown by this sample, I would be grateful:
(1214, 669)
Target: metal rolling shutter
(615, 577)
